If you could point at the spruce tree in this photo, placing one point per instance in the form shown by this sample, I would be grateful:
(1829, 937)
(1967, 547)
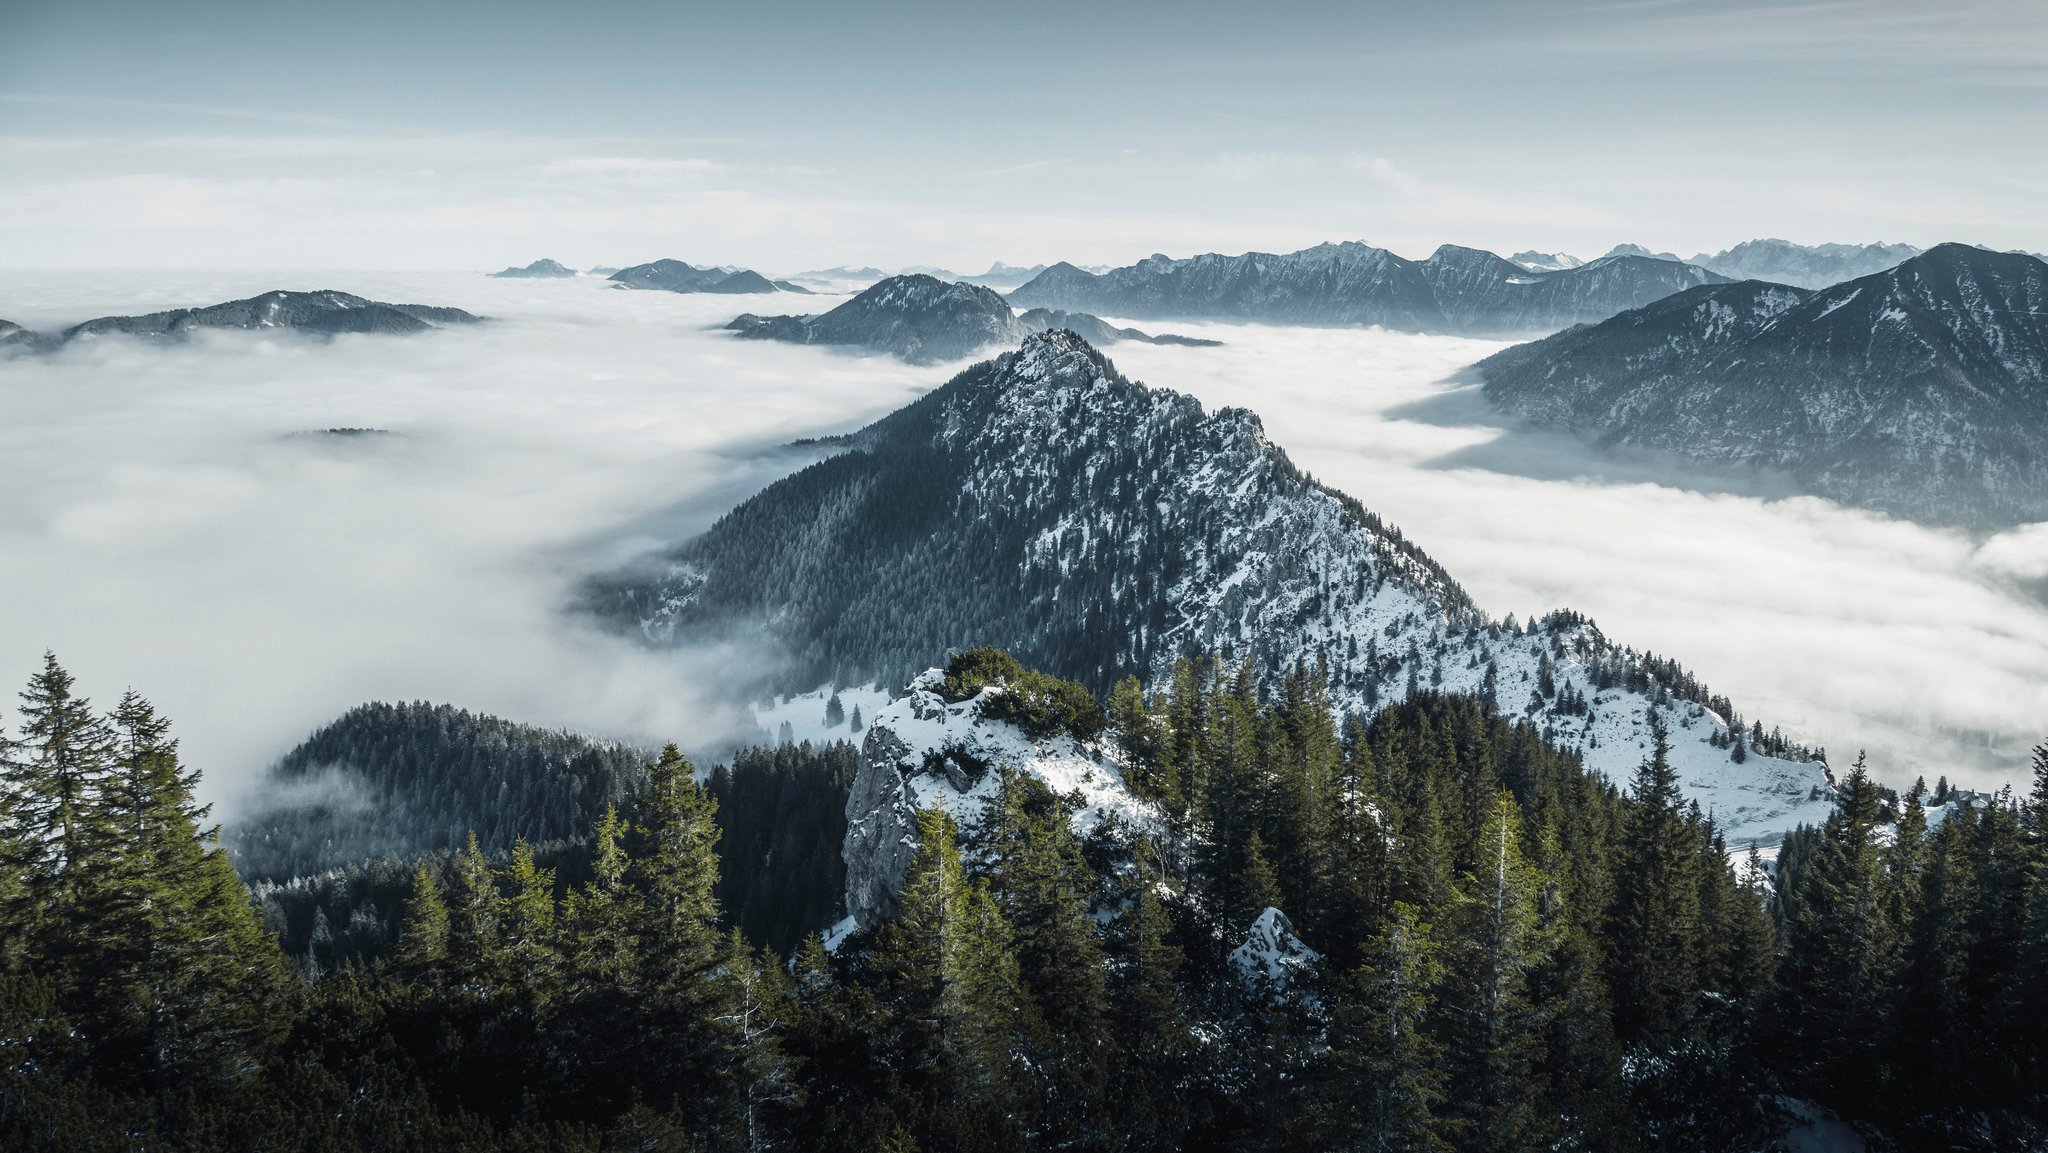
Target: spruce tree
(1494, 1029)
(55, 781)
(758, 1010)
(1654, 963)
(960, 1011)
(1041, 883)
(1386, 1084)
(1843, 949)
(1149, 1018)
(423, 940)
(527, 926)
(602, 950)
(682, 1041)
(183, 980)
(474, 951)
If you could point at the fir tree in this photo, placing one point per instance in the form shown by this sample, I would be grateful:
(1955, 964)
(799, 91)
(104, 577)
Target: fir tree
(473, 946)
(1388, 1077)
(423, 942)
(54, 782)
(948, 974)
(1843, 948)
(1495, 1029)
(1654, 966)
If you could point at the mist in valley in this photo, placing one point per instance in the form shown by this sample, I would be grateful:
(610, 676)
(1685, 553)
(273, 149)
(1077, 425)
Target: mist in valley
(177, 521)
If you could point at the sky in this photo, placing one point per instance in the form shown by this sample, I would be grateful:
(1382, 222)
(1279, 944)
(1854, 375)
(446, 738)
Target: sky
(789, 136)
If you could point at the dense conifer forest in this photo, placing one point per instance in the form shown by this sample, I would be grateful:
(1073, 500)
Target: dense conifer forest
(1509, 953)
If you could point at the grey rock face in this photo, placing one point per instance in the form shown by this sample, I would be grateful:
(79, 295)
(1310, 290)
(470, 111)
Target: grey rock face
(1457, 290)
(538, 270)
(1921, 390)
(324, 313)
(881, 828)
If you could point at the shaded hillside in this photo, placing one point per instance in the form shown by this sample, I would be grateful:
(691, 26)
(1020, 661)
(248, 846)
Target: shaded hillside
(1456, 290)
(1921, 390)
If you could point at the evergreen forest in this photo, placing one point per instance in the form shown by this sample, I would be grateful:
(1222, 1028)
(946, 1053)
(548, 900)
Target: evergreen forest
(1507, 953)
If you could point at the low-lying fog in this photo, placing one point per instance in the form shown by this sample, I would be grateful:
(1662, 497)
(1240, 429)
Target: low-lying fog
(164, 526)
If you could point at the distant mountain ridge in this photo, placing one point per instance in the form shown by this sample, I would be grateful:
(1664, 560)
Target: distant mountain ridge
(1921, 390)
(677, 276)
(326, 313)
(922, 319)
(1044, 503)
(542, 269)
(1805, 265)
(1457, 290)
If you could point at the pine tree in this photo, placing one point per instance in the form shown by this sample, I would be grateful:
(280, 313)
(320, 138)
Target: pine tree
(1149, 1019)
(1843, 948)
(856, 724)
(1654, 964)
(423, 942)
(1041, 884)
(527, 928)
(183, 980)
(602, 949)
(1934, 1009)
(959, 1007)
(758, 1010)
(835, 712)
(54, 782)
(680, 935)
(1143, 742)
(1385, 1088)
(473, 947)
(1494, 1029)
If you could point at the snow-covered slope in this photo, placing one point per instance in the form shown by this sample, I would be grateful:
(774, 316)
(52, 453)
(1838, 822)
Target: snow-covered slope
(1095, 527)
(1921, 390)
(922, 752)
(1806, 265)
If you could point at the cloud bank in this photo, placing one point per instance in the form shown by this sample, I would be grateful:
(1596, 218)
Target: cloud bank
(1847, 628)
(174, 522)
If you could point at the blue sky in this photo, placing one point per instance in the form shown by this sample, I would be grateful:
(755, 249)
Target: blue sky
(795, 135)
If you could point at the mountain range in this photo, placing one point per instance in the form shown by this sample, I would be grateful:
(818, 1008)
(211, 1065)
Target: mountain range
(922, 319)
(325, 313)
(539, 270)
(1044, 503)
(1457, 290)
(1921, 390)
(1805, 265)
(676, 276)
(1546, 261)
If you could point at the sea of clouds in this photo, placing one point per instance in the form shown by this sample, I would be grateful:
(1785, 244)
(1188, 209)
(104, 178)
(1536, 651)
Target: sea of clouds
(167, 521)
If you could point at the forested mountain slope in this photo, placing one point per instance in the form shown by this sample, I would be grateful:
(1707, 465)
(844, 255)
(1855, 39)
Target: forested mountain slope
(922, 319)
(1921, 390)
(1456, 290)
(410, 779)
(1098, 528)
(323, 313)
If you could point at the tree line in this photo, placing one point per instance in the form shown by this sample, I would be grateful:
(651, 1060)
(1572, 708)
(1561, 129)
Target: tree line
(1510, 953)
